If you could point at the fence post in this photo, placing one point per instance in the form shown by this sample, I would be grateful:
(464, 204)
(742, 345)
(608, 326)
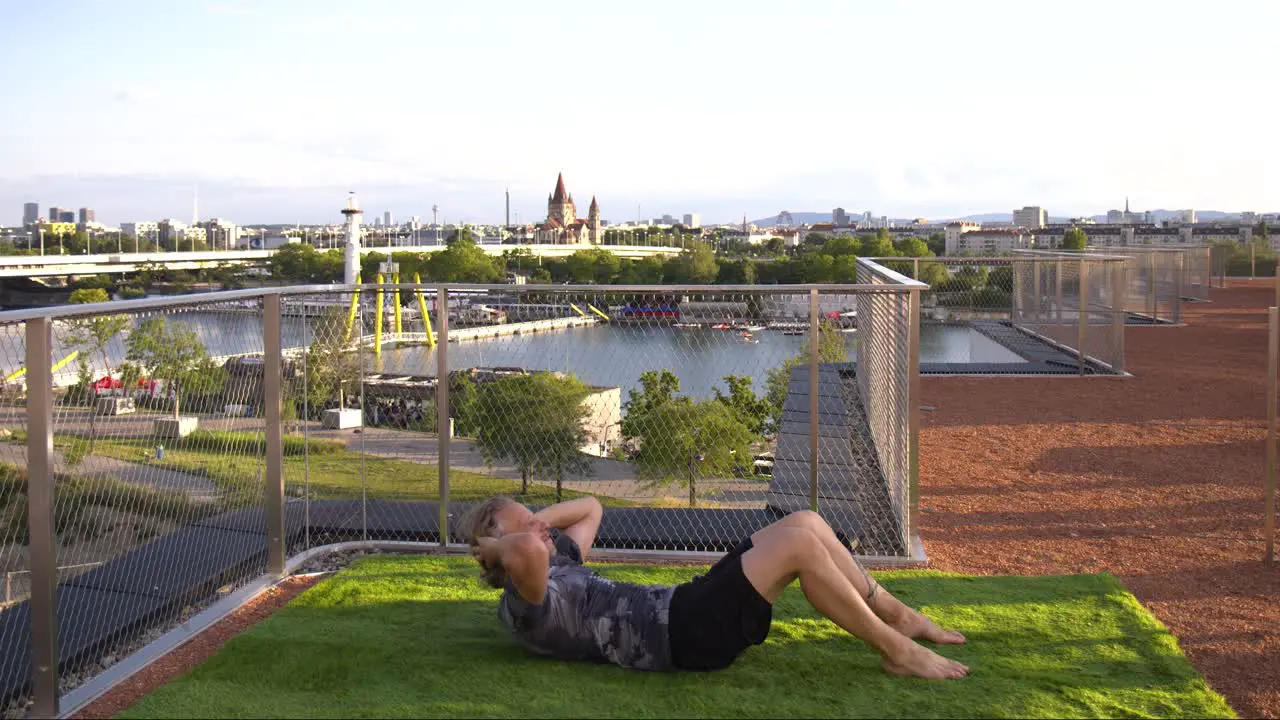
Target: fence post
(1118, 314)
(913, 415)
(1058, 293)
(1082, 322)
(41, 544)
(1035, 289)
(444, 427)
(1273, 361)
(1253, 261)
(813, 399)
(1153, 306)
(1206, 277)
(915, 268)
(273, 400)
(1178, 268)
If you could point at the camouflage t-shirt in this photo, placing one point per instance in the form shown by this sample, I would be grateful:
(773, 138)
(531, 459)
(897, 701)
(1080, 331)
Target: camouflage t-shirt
(587, 617)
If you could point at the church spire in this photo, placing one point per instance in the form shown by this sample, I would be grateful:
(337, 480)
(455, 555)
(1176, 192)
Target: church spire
(560, 195)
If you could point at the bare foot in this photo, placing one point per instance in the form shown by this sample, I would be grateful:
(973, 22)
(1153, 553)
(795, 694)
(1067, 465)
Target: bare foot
(924, 663)
(918, 627)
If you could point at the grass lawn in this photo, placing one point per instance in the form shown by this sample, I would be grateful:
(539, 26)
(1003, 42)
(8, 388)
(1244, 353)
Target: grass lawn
(418, 637)
(233, 464)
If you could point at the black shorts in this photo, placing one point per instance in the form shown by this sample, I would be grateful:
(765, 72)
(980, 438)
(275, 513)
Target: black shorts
(716, 616)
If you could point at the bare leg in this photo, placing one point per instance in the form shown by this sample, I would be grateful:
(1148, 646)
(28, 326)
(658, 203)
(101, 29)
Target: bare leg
(781, 554)
(893, 611)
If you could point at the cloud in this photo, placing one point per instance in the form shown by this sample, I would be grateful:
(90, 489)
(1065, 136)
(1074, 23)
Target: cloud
(134, 96)
(230, 9)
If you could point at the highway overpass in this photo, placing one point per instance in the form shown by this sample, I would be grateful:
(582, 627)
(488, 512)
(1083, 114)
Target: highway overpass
(12, 266)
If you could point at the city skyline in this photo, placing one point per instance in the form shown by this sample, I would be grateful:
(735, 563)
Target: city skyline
(785, 120)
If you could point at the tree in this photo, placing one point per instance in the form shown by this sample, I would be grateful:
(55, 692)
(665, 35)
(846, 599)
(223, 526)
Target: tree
(297, 262)
(537, 422)
(1074, 239)
(173, 353)
(685, 440)
(842, 245)
(754, 412)
(646, 271)
(913, 247)
(695, 266)
(937, 243)
(879, 245)
(594, 265)
(464, 261)
(332, 368)
(657, 388)
(93, 335)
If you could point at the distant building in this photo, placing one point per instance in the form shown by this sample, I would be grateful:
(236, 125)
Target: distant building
(1126, 217)
(692, 220)
(30, 214)
(386, 218)
(954, 231)
(141, 230)
(87, 216)
(563, 226)
(55, 212)
(839, 217)
(990, 241)
(1249, 218)
(1032, 217)
(1187, 217)
(221, 234)
(177, 235)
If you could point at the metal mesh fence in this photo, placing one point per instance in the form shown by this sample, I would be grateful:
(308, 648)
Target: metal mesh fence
(889, 397)
(1074, 301)
(960, 289)
(693, 413)
(14, 555)
(1036, 293)
(1158, 279)
(158, 467)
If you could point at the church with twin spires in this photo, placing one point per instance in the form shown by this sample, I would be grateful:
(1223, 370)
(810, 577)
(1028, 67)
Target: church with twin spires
(563, 226)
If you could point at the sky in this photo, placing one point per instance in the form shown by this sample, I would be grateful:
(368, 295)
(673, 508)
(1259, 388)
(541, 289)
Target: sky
(273, 110)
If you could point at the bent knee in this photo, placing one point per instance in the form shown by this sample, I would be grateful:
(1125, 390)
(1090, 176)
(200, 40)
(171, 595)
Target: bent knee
(807, 519)
(802, 545)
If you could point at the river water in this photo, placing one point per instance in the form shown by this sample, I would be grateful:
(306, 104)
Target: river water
(604, 355)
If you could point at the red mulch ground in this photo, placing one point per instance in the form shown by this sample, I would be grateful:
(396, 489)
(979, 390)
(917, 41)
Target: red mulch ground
(1157, 479)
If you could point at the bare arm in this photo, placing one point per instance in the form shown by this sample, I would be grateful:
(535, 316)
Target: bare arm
(579, 519)
(524, 557)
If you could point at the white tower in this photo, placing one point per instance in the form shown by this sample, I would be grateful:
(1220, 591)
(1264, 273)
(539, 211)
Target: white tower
(351, 267)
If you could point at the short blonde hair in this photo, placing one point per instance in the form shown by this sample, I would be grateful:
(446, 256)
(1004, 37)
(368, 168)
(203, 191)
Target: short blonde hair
(482, 521)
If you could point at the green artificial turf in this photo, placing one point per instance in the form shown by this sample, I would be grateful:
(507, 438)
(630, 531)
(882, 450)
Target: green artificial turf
(418, 637)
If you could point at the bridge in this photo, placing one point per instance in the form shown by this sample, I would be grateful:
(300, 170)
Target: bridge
(15, 266)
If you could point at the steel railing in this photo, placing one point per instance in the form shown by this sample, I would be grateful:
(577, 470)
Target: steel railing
(1073, 301)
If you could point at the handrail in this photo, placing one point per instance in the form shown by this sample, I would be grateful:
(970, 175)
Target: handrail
(222, 296)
